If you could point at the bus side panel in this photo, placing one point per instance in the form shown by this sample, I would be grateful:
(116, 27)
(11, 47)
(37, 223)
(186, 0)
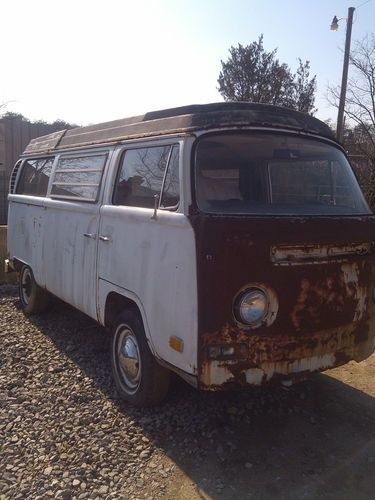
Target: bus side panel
(70, 256)
(154, 260)
(26, 218)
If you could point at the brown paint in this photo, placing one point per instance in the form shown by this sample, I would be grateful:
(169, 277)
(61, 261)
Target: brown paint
(326, 310)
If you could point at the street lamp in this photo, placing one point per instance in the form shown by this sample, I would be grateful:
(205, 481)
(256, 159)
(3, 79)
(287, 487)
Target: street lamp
(335, 24)
(344, 81)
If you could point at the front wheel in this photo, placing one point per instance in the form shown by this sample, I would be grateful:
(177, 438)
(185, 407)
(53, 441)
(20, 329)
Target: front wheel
(32, 297)
(138, 377)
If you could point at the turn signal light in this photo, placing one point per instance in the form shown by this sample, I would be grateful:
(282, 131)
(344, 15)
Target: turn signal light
(176, 343)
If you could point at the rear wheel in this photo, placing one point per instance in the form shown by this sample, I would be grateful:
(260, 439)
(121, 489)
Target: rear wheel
(32, 297)
(138, 377)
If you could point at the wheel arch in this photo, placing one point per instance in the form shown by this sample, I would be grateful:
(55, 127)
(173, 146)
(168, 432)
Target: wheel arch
(117, 302)
(17, 263)
(33, 298)
(114, 304)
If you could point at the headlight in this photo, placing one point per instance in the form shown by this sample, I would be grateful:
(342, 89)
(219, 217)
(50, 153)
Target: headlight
(251, 306)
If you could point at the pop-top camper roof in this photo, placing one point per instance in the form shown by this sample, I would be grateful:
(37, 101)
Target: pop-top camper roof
(181, 120)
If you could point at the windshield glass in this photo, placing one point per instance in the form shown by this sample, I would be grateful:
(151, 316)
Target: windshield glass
(264, 173)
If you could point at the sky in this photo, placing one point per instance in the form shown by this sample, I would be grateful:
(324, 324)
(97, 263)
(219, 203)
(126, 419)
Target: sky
(89, 61)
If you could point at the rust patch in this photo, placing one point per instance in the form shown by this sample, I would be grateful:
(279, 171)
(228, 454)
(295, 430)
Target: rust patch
(289, 255)
(345, 294)
(287, 357)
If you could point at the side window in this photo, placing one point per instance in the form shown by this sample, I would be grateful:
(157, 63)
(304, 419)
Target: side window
(146, 172)
(35, 176)
(78, 178)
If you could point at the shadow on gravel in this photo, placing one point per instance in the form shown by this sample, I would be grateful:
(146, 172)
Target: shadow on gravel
(312, 440)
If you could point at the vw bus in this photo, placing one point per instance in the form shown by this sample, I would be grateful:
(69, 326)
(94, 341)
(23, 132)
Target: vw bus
(229, 243)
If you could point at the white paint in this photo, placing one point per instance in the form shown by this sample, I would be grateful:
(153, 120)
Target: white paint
(351, 279)
(155, 260)
(69, 257)
(25, 232)
(217, 374)
(151, 261)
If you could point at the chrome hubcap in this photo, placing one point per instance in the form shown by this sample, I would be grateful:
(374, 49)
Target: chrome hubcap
(128, 357)
(26, 285)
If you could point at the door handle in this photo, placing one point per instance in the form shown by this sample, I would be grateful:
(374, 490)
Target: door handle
(104, 238)
(90, 235)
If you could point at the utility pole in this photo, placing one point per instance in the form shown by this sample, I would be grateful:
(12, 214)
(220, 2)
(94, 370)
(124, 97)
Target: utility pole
(344, 81)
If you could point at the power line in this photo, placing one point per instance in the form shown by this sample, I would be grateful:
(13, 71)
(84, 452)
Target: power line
(364, 3)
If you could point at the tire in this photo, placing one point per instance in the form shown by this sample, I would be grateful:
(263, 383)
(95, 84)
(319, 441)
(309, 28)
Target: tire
(32, 297)
(139, 379)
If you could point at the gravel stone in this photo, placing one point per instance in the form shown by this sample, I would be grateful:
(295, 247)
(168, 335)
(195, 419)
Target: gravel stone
(66, 434)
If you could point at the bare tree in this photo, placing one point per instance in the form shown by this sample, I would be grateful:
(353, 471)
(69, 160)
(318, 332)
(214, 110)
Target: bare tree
(359, 133)
(360, 94)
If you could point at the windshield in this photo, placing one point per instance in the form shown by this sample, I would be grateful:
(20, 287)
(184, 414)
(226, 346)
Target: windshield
(264, 173)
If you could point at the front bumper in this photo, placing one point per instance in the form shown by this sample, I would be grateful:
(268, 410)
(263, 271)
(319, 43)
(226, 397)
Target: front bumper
(289, 359)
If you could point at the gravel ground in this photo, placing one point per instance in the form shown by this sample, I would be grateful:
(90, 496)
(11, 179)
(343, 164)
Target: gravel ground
(65, 434)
